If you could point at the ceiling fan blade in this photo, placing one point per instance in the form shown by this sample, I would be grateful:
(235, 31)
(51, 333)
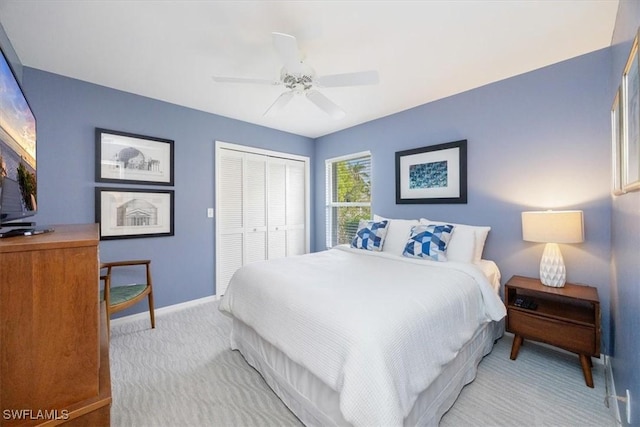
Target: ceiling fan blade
(349, 79)
(325, 104)
(221, 79)
(279, 103)
(287, 48)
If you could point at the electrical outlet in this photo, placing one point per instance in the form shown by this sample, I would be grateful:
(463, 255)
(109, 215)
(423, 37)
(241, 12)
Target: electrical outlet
(209, 212)
(628, 407)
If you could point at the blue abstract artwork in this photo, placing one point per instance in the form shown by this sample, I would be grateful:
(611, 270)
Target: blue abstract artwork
(428, 175)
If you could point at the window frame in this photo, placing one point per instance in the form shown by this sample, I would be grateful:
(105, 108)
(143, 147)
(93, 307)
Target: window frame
(330, 204)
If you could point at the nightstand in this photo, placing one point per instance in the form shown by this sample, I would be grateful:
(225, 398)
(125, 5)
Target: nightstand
(567, 317)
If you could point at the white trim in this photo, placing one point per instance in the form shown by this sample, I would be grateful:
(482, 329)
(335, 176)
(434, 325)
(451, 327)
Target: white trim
(163, 310)
(348, 157)
(328, 184)
(348, 204)
(610, 392)
(262, 151)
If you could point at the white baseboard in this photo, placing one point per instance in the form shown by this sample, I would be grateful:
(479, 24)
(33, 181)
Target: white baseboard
(163, 310)
(610, 391)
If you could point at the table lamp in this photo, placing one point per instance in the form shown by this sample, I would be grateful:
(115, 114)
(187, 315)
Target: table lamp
(552, 227)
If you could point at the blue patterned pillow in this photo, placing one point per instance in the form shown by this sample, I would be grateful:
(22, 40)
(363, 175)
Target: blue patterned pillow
(428, 241)
(370, 235)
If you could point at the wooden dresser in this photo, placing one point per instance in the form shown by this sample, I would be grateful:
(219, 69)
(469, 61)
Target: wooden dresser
(54, 349)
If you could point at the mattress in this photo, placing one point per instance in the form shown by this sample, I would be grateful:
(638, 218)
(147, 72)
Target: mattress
(490, 269)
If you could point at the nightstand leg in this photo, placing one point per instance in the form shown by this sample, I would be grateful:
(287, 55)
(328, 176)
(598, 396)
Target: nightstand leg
(585, 361)
(515, 348)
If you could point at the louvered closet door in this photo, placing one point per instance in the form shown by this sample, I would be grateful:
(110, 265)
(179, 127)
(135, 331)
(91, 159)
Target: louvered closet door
(296, 208)
(287, 208)
(277, 208)
(230, 244)
(255, 214)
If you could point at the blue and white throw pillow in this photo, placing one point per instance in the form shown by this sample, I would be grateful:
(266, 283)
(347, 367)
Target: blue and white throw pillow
(370, 235)
(428, 241)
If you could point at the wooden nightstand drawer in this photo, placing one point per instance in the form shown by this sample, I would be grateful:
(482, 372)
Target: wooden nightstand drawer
(572, 337)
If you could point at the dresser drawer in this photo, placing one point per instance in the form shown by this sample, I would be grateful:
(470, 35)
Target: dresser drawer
(565, 334)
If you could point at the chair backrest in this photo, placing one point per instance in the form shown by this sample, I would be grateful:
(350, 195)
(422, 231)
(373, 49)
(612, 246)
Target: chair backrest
(118, 298)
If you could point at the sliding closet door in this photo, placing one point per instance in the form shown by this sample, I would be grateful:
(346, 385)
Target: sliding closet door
(255, 213)
(296, 208)
(277, 208)
(287, 207)
(262, 206)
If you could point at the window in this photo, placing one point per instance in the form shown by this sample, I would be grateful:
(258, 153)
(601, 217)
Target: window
(348, 196)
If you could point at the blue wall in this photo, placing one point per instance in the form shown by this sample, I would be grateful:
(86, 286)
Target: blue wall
(540, 140)
(625, 241)
(68, 111)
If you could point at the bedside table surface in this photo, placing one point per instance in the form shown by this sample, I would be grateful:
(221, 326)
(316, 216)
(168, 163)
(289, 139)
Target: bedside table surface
(570, 290)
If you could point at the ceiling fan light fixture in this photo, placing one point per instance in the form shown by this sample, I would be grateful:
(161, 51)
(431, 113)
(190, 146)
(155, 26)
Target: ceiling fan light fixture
(297, 83)
(300, 79)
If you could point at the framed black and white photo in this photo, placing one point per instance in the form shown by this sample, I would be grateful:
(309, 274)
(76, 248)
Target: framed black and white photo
(125, 213)
(433, 174)
(631, 110)
(123, 157)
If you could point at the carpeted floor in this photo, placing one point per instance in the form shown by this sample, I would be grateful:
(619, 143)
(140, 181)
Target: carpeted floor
(183, 373)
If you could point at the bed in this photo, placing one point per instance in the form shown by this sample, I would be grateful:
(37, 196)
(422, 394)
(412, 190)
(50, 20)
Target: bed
(366, 337)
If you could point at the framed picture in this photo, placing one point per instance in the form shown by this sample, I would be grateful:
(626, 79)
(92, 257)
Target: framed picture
(617, 138)
(630, 157)
(123, 157)
(433, 174)
(125, 213)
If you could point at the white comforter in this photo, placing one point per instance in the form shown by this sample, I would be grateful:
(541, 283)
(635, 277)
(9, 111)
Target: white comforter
(376, 328)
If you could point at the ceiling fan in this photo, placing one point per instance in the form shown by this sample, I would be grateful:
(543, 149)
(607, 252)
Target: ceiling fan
(300, 79)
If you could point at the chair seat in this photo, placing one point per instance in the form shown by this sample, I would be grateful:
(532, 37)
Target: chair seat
(120, 294)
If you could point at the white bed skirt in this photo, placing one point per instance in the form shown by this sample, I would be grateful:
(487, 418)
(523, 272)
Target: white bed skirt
(315, 404)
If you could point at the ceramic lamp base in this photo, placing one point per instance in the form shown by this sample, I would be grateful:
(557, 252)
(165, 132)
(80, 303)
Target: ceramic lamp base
(552, 269)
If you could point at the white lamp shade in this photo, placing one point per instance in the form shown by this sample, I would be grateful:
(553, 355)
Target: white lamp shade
(553, 226)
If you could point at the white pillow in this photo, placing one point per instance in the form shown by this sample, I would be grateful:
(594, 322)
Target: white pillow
(467, 241)
(398, 233)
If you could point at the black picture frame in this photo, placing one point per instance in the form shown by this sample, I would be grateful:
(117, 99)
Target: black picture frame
(128, 158)
(127, 213)
(432, 174)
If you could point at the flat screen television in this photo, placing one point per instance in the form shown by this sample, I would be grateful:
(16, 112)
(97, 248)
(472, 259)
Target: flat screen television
(18, 183)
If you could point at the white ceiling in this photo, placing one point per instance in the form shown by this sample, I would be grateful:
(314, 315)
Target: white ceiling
(423, 50)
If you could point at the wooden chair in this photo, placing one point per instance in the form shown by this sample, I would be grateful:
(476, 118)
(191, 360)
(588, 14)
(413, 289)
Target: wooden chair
(118, 298)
